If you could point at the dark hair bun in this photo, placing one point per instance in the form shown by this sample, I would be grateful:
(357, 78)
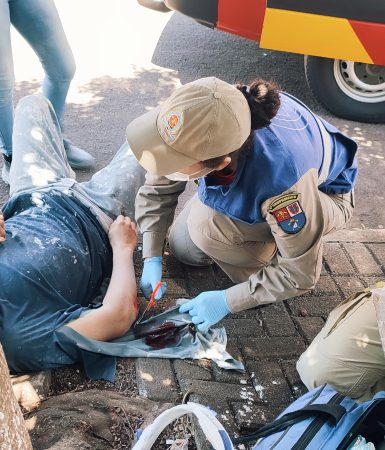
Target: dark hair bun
(263, 99)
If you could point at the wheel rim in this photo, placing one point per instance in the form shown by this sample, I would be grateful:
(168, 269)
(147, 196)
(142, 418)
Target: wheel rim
(362, 82)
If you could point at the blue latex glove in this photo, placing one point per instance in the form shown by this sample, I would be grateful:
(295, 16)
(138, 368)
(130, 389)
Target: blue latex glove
(151, 275)
(207, 309)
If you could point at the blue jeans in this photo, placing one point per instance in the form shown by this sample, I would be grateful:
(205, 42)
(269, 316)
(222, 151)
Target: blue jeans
(39, 23)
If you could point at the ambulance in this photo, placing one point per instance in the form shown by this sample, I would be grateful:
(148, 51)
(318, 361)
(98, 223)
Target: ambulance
(343, 43)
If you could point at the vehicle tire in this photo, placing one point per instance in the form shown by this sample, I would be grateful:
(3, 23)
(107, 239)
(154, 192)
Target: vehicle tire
(156, 5)
(351, 90)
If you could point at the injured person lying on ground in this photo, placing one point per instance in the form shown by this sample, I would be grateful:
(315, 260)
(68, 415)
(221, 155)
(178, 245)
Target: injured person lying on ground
(59, 241)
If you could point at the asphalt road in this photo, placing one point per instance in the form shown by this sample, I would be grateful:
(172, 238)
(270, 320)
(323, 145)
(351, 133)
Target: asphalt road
(130, 58)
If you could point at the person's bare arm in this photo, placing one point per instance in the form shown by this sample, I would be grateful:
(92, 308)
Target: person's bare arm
(2, 228)
(120, 308)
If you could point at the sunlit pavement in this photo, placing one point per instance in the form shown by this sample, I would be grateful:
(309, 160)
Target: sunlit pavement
(129, 59)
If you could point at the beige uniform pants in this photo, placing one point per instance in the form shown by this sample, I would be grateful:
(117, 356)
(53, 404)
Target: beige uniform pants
(200, 235)
(347, 353)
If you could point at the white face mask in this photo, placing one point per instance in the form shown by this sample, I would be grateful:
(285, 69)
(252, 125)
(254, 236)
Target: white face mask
(180, 176)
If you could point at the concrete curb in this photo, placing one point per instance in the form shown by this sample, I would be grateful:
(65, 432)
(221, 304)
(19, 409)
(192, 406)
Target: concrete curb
(363, 236)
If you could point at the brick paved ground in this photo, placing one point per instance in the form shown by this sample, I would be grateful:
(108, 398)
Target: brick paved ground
(268, 340)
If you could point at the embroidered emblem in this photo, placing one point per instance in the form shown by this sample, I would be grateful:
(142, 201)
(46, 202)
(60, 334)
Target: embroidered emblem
(280, 201)
(281, 214)
(172, 123)
(288, 213)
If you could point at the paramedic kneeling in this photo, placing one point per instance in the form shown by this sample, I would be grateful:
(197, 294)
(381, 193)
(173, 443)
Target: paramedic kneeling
(273, 180)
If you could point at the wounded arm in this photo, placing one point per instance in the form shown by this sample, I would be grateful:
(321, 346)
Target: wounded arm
(119, 309)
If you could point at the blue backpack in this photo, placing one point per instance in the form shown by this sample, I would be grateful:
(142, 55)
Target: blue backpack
(322, 419)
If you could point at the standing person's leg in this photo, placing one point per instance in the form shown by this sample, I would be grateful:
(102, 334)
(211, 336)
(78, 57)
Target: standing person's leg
(6, 86)
(347, 353)
(39, 23)
(114, 187)
(39, 158)
(238, 248)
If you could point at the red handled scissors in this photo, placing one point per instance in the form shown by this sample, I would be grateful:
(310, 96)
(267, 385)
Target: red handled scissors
(151, 303)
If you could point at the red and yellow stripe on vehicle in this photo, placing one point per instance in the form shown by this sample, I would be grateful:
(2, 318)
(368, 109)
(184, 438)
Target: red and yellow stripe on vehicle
(340, 29)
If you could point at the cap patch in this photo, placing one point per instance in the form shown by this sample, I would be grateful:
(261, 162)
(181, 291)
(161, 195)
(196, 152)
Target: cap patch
(288, 212)
(172, 123)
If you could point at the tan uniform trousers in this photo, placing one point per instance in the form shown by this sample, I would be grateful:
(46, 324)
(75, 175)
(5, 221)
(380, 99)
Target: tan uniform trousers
(200, 235)
(347, 353)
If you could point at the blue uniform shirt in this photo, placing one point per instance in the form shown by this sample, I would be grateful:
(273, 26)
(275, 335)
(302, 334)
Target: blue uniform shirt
(281, 154)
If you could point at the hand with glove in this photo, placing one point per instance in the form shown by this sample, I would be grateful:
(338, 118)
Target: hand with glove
(151, 275)
(207, 309)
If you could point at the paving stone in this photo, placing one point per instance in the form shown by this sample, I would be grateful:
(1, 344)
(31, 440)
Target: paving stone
(217, 397)
(247, 314)
(227, 419)
(166, 303)
(271, 347)
(230, 376)
(324, 271)
(244, 327)
(156, 380)
(225, 416)
(313, 306)
(310, 326)
(234, 348)
(369, 282)
(349, 285)
(138, 261)
(325, 286)
(176, 287)
(216, 392)
(337, 260)
(379, 252)
(251, 417)
(222, 281)
(198, 273)
(172, 267)
(292, 376)
(269, 382)
(218, 273)
(185, 369)
(277, 320)
(363, 259)
(196, 286)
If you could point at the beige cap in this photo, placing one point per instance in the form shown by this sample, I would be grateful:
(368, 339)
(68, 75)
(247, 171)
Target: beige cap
(201, 120)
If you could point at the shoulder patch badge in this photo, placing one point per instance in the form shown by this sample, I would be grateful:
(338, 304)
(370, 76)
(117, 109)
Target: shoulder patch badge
(288, 212)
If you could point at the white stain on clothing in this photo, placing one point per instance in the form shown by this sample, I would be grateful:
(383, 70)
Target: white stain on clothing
(38, 242)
